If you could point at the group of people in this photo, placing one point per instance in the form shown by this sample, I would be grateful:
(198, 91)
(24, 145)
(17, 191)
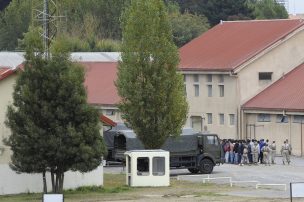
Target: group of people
(242, 152)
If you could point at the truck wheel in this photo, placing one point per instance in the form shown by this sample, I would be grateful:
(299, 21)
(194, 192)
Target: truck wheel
(206, 166)
(193, 170)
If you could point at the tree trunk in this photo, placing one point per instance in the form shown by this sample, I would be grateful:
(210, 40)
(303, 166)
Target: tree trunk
(44, 182)
(56, 182)
(53, 180)
(61, 183)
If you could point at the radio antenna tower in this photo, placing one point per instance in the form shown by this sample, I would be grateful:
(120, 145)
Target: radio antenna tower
(46, 15)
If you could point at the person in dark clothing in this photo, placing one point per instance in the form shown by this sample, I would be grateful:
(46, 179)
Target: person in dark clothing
(240, 151)
(262, 144)
(249, 151)
(235, 150)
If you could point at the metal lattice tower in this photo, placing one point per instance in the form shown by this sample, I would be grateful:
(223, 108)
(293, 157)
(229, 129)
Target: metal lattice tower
(46, 14)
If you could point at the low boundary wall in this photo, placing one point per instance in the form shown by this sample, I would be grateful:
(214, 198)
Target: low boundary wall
(13, 183)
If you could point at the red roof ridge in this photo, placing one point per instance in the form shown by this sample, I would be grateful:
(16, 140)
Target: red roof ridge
(262, 20)
(6, 73)
(107, 120)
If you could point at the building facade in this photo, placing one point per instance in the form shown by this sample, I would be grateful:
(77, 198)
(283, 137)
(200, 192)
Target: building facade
(277, 113)
(233, 62)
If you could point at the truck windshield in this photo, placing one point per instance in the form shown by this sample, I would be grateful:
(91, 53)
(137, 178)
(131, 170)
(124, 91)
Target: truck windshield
(212, 140)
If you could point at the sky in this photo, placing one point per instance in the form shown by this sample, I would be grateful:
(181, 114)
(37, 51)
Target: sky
(296, 7)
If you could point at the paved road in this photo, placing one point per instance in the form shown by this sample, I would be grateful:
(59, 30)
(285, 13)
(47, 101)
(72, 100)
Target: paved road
(274, 174)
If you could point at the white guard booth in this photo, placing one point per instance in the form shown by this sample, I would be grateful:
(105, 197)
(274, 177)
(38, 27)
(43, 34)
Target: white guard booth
(147, 168)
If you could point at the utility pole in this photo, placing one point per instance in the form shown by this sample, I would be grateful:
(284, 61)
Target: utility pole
(46, 16)
(46, 33)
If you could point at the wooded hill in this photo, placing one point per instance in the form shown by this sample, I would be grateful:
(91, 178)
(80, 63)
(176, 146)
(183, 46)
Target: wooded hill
(94, 25)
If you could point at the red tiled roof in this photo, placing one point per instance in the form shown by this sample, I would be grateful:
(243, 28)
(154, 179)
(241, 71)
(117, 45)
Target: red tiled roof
(285, 94)
(5, 72)
(107, 121)
(99, 81)
(230, 44)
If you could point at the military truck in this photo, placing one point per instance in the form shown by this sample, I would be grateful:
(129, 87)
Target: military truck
(194, 151)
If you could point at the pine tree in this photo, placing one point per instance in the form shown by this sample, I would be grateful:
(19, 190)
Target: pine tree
(53, 128)
(152, 91)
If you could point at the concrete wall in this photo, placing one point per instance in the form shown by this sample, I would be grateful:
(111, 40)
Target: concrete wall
(6, 91)
(13, 183)
(280, 60)
(275, 130)
(202, 105)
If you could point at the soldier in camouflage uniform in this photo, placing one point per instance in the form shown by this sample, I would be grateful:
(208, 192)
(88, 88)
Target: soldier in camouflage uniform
(245, 155)
(285, 152)
(255, 152)
(266, 151)
(273, 152)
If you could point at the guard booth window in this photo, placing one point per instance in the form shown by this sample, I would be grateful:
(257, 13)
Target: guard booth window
(158, 166)
(143, 166)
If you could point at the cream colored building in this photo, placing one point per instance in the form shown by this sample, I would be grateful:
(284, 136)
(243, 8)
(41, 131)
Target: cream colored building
(6, 91)
(94, 63)
(233, 62)
(277, 113)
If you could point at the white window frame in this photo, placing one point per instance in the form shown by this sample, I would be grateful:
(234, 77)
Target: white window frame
(221, 90)
(209, 118)
(209, 90)
(264, 117)
(232, 119)
(222, 119)
(196, 90)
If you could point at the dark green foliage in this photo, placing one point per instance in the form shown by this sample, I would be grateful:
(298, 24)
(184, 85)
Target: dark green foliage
(152, 91)
(269, 9)
(4, 3)
(217, 10)
(14, 21)
(186, 27)
(53, 128)
(91, 21)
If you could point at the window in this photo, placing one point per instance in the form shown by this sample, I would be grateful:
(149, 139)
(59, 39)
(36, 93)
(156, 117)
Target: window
(221, 90)
(232, 119)
(209, 77)
(282, 119)
(195, 78)
(263, 117)
(185, 89)
(265, 76)
(196, 90)
(212, 140)
(196, 123)
(298, 119)
(209, 118)
(185, 78)
(209, 90)
(143, 166)
(158, 166)
(222, 119)
(110, 112)
(221, 78)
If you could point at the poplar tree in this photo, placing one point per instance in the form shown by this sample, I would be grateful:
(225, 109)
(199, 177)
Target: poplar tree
(53, 127)
(151, 89)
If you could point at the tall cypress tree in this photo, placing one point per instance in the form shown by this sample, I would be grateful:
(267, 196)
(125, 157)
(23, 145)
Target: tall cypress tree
(152, 91)
(53, 128)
